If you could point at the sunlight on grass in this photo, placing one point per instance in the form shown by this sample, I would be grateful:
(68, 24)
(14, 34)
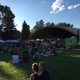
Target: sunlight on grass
(59, 51)
(64, 66)
(75, 56)
(77, 49)
(11, 70)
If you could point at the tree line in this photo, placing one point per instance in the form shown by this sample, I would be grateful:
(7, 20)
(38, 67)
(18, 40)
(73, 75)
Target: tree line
(8, 28)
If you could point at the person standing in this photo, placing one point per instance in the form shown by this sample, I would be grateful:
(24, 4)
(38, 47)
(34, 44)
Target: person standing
(71, 45)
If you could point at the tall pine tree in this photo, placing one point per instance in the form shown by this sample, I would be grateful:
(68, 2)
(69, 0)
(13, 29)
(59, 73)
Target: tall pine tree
(7, 23)
(25, 33)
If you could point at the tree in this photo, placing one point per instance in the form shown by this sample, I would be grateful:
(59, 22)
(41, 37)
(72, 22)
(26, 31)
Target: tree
(18, 34)
(39, 25)
(52, 24)
(48, 24)
(0, 31)
(64, 24)
(8, 28)
(25, 33)
(1, 16)
(32, 31)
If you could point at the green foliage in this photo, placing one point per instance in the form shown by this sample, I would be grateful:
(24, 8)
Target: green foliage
(63, 24)
(7, 26)
(40, 24)
(64, 66)
(18, 34)
(8, 29)
(25, 33)
(32, 31)
(48, 24)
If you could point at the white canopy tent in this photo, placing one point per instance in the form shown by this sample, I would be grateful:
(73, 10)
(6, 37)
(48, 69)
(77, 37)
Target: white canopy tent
(9, 41)
(12, 41)
(16, 41)
(2, 41)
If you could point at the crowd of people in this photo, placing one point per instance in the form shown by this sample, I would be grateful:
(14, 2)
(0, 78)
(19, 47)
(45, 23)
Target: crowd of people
(43, 48)
(16, 58)
(41, 72)
(10, 47)
(37, 49)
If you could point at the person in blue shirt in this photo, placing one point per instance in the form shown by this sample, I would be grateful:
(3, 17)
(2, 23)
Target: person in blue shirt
(36, 55)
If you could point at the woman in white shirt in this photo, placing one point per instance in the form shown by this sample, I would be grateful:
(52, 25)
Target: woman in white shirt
(15, 59)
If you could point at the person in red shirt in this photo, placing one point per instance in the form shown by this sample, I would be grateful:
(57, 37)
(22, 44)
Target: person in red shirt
(48, 53)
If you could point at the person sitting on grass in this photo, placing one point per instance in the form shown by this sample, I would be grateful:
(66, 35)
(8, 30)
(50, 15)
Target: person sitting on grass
(15, 59)
(47, 53)
(30, 50)
(25, 57)
(36, 55)
(45, 71)
(16, 51)
(36, 75)
(53, 50)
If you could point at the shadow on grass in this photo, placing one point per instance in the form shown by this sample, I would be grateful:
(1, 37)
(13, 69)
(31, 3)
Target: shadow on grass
(4, 74)
(64, 66)
(26, 67)
(61, 67)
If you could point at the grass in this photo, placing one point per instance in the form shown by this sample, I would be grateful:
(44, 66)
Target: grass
(64, 66)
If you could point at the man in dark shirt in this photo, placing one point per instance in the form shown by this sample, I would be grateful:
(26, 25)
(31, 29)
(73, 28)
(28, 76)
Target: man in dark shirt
(25, 57)
(45, 72)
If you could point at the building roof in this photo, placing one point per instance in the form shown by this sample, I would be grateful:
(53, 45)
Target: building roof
(45, 29)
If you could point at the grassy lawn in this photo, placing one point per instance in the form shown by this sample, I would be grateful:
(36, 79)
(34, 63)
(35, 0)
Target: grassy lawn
(64, 66)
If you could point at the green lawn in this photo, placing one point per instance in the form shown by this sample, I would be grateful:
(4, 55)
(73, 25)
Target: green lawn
(64, 66)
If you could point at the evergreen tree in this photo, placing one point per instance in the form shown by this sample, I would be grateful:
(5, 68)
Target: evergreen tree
(7, 23)
(25, 33)
(39, 24)
(64, 24)
(18, 34)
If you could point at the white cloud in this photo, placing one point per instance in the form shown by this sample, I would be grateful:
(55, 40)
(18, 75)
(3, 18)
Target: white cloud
(57, 6)
(73, 6)
(44, 2)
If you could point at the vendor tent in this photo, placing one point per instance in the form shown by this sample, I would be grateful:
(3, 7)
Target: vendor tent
(12, 41)
(2, 41)
(9, 41)
(16, 41)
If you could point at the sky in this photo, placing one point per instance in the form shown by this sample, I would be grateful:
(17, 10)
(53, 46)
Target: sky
(48, 10)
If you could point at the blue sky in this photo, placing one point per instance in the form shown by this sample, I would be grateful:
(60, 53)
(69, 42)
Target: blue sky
(49, 10)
